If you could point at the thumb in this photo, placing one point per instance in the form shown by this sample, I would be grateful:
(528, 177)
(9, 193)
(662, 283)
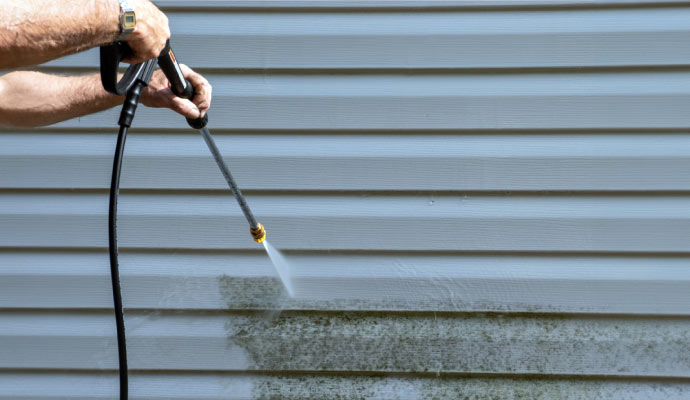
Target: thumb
(185, 107)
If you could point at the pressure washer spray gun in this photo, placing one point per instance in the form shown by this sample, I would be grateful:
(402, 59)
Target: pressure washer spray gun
(135, 78)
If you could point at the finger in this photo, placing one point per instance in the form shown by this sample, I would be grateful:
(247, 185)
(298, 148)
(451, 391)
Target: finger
(137, 58)
(202, 88)
(201, 85)
(159, 81)
(157, 93)
(163, 98)
(143, 47)
(185, 107)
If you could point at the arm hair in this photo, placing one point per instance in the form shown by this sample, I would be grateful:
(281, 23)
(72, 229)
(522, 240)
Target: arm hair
(29, 99)
(30, 32)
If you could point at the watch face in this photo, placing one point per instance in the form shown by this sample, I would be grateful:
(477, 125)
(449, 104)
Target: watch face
(130, 20)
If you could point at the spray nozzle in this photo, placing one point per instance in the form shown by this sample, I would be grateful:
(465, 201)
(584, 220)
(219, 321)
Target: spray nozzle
(258, 233)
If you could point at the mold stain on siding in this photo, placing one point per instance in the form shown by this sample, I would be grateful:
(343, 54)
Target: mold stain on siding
(435, 343)
(463, 388)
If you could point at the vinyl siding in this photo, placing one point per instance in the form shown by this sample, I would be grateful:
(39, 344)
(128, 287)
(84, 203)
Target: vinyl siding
(477, 199)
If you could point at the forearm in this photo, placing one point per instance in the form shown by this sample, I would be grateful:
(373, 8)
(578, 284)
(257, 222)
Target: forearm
(31, 34)
(29, 99)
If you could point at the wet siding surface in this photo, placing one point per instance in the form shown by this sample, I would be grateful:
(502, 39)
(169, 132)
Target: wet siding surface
(478, 200)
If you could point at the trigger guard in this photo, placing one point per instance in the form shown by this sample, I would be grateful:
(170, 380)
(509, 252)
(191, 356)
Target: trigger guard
(111, 56)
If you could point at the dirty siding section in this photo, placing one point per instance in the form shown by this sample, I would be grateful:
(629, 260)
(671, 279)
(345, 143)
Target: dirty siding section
(479, 200)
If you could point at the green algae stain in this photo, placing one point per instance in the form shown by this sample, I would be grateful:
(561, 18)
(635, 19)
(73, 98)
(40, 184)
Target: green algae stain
(354, 387)
(465, 343)
(307, 337)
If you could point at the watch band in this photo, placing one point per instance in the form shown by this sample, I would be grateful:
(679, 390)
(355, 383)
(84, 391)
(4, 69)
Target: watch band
(128, 19)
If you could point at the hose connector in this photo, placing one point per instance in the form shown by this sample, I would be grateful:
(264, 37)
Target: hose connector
(259, 234)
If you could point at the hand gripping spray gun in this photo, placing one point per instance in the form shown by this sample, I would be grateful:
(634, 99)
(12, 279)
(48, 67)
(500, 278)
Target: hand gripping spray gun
(132, 82)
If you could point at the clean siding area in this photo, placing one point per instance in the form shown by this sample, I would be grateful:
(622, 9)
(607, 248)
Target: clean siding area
(478, 200)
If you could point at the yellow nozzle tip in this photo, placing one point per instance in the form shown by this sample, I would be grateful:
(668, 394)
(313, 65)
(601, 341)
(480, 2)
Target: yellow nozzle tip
(259, 234)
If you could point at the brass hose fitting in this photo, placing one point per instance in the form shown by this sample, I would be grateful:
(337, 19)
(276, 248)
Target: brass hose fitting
(259, 234)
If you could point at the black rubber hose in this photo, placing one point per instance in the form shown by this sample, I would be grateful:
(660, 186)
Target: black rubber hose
(129, 107)
(114, 267)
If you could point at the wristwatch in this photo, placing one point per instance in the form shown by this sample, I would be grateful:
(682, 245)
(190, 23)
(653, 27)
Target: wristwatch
(128, 20)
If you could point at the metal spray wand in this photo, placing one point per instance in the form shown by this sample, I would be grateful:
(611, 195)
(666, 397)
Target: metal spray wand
(182, 88)
(257, 230)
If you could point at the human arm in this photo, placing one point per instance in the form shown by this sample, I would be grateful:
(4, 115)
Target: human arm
(36, 31)
(29, 99)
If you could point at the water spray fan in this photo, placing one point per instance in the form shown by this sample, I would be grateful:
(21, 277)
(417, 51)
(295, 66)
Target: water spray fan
(135, 78)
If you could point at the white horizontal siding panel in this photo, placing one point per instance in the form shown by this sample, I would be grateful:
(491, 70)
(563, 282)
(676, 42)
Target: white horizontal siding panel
(401, 282)
(353, 222)
(362, 261)
(229, 386)
(601, 100)
(467, 162)
(506, 39)
(351, 342)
